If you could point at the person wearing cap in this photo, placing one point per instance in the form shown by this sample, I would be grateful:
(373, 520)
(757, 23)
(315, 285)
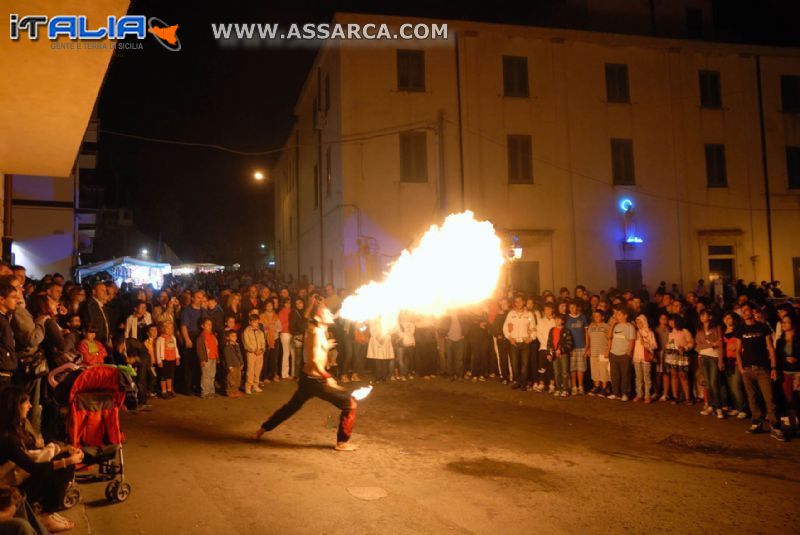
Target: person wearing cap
(315, 381)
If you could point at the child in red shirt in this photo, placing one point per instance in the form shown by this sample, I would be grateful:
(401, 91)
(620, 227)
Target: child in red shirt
(208, 354)
(559, 345)
(93, 352)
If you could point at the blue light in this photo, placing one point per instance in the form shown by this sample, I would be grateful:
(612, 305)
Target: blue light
(634, 239)
(625, 204)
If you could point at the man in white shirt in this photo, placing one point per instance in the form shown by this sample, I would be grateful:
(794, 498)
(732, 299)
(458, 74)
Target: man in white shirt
(519, 328)
(137, 323)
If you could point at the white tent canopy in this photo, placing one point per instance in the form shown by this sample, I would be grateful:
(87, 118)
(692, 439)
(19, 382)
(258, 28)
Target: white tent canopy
(128, 270)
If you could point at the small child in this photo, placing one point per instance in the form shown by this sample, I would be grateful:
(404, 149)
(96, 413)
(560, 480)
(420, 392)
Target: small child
(150, 345)
(255, 344)
(230, 325)
(232, 358)
(559, 346)
(72, 334)
(168, 358)
(207, 353)
(92, 351)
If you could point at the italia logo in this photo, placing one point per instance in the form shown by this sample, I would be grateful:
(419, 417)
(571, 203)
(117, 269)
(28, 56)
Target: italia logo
(77, 27)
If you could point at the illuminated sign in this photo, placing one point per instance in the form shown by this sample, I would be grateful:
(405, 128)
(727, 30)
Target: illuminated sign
(631, 238)
(77, 27)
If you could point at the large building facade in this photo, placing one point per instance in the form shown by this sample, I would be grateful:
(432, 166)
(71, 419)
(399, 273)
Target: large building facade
(608, 159)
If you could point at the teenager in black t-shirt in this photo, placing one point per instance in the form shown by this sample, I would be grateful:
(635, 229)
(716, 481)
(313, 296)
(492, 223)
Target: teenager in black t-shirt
(755, 337)
(758, 366)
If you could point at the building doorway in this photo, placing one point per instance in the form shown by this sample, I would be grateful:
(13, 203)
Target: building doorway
(720, 268)
(721, 262)
(629, 275)
(525, 277)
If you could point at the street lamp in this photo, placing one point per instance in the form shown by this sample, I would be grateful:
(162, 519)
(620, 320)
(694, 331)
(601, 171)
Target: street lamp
(143, 252)
(258, 175)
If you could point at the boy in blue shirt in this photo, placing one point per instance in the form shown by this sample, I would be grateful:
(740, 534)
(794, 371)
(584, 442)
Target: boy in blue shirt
(578, 326)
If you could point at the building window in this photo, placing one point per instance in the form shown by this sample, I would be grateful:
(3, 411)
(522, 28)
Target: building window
(622, 162)
(316, 186)
(790, 93)
(694, 23)
(515, 76)
(413, 157)
(410, 70)
(716, 173)
(520, 159)
(710, 90)
(793, 166)
(720, 250)
(328, 179)
(327, 92)
(617, 89)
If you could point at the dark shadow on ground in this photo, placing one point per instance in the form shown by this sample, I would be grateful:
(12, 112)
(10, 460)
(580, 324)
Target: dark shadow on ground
(279, 444)
(221, 436)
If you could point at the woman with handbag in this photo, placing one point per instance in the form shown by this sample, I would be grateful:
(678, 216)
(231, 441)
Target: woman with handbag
(643, 349)
(42, 472)
(50, 354)
(44, 311)
(676, 358)
(708, 344)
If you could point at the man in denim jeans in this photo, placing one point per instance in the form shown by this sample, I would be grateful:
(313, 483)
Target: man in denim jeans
(454, 347)
(758, 366)
(518, 330)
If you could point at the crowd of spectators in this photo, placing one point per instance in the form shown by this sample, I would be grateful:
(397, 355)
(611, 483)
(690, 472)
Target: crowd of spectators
(730, 348)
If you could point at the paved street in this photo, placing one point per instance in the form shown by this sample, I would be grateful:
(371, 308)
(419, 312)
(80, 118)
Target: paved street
(440, 457)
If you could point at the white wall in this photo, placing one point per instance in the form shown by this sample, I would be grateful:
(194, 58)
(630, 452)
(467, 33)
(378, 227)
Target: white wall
(43, 233)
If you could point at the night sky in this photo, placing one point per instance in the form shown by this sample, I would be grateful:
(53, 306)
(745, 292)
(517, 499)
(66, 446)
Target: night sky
(204, 202)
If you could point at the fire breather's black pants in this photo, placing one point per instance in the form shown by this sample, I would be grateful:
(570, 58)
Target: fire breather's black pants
(316, 387)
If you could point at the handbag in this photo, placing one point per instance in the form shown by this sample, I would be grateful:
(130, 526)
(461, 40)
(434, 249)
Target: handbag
(34, 365)
(12, 475)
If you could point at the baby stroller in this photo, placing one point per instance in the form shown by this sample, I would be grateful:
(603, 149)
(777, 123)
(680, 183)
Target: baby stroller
(94, 426)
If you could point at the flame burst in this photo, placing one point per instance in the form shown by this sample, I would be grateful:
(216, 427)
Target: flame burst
(361, 393)
(454, 266)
